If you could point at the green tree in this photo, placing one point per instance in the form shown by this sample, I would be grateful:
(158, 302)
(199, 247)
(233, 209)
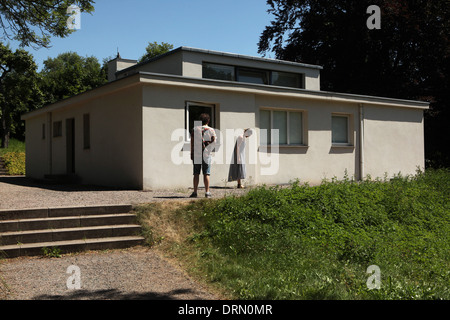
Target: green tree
(409, 57)
(19, 91)
(154, 49)
(33, 22)
(70, 74)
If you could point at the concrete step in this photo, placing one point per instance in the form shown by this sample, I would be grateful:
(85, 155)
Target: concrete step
(62, 212)
(33, 249)
(65, 234)
(67, 222)
(26, 232)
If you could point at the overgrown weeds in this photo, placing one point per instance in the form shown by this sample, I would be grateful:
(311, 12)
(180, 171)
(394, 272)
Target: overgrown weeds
(307, 242)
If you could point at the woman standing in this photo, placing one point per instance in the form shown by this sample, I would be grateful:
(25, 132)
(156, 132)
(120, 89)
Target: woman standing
(237, 168)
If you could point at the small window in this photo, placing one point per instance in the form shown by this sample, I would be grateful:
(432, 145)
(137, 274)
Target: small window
(218, 72)
(286, 79)
(288, 123)
(57, 129)
(86, 131)
(340, 129)
(193, 112)
(252, 76)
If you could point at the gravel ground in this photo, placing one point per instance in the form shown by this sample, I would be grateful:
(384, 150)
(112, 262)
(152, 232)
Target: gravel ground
(132, 274)
(20, 193)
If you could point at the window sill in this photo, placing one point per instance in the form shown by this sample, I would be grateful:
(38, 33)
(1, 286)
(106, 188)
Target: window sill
(347, 146)
(285, 146)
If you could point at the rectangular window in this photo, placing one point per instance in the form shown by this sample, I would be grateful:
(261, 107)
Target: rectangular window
(86, 131)
(193, 112)
(286, 79)
(57, 129)
(265, 125)
(280, 123)
(218, 72)
(288, 123)
(340, 129)
(253, 76)
(295, 128)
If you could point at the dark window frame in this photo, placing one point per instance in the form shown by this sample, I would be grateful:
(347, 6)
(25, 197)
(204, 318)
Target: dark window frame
(303, 131)
(237, 69)
(191, 104)
(349, 141)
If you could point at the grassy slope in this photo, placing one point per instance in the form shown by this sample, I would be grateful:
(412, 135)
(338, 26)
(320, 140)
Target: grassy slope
(316, 242)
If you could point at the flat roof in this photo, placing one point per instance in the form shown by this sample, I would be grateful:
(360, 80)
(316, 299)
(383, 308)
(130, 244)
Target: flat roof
(164, 79)
(223, 54)
(247, 57)
(294, 92)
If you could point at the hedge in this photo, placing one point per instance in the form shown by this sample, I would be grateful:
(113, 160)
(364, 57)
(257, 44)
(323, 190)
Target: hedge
(15, 163)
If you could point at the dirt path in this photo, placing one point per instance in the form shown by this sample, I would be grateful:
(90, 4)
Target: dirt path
(132, 274)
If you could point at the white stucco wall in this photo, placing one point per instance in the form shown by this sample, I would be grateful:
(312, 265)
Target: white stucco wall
(115, 155)
(132, 122)
(164, 112)
(393, 141)
(37, 155)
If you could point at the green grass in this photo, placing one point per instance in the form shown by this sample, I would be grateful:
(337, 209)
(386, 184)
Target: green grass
(307, 242)
(14, 146)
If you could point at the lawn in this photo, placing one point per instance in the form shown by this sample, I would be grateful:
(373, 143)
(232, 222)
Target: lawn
(307, 242)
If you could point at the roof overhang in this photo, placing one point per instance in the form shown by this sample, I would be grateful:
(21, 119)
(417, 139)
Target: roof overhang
(146, 78)
(232, 86)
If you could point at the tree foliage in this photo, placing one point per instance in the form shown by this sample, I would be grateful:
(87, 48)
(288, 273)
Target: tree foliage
(19, 90)
(70, 74)
(33, 22)
(409, 57)
(155, 49)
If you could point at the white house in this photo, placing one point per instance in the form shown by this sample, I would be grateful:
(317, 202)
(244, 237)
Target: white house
(133, 131)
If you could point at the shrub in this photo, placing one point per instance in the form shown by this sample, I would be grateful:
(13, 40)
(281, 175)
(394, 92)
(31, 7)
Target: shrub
(316, 242)
(15, 163)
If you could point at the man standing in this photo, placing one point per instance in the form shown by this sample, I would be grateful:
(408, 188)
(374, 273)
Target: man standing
(202, 144)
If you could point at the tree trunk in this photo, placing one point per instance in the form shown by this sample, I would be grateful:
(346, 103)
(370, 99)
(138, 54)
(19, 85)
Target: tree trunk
(5, 132)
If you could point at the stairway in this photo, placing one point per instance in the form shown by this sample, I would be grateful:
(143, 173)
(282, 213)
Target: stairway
(3, 171)
(26, 232)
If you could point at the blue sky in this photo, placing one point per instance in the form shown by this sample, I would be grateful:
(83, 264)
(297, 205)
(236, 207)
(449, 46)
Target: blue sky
(230, 26)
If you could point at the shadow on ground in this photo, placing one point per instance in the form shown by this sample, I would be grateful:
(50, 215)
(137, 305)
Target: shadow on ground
(114, 294)
(23, 181)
